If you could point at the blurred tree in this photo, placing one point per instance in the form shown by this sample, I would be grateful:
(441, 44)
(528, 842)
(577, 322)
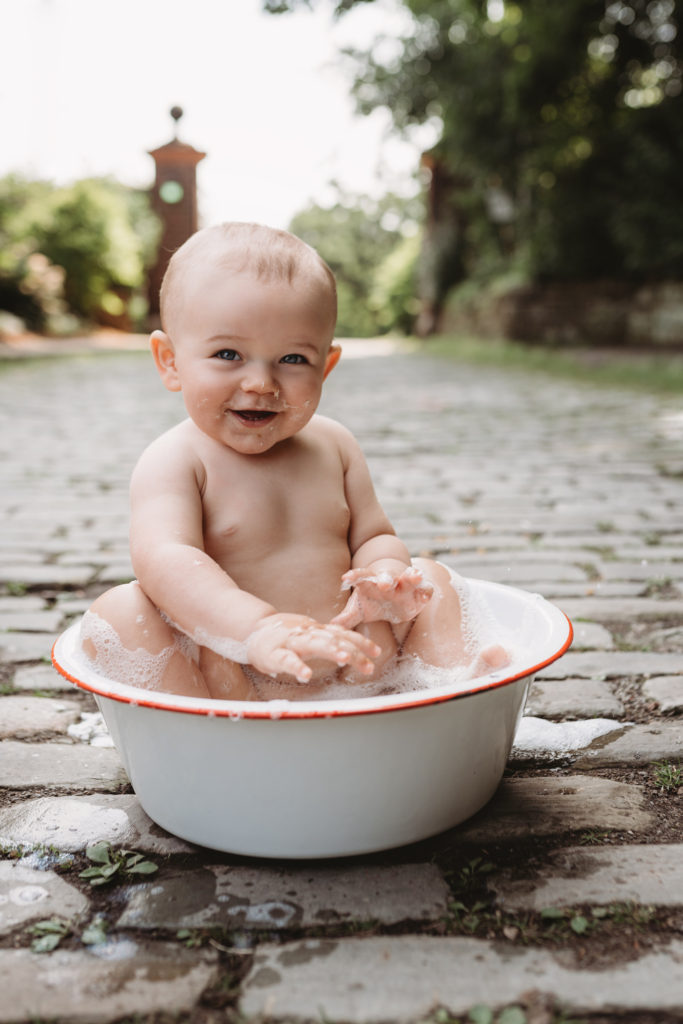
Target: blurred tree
(561, 124)
(392, 296)
(100, 234)
(31, 288)
(356, 235)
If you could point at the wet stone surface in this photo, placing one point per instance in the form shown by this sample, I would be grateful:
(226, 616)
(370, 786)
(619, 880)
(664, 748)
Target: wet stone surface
(122, 979)
(566, 490)
(573, 698)
(651, 875)
(63, 766)
(27, 895)
(23, 717)
(71, 824)
(268, 899)
(406, 978)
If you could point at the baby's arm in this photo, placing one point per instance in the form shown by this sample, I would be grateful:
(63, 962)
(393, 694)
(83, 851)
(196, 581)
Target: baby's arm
(384, 584)
(194, 592)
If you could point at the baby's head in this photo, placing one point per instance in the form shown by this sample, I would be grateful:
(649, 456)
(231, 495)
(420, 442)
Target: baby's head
(268, 254)
(248, 316)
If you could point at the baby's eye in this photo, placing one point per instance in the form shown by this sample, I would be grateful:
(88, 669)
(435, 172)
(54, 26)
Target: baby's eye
(227, 353)
(294, 358)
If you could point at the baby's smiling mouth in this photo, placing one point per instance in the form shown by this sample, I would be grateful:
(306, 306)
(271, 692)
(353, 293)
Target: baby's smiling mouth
(254, 415)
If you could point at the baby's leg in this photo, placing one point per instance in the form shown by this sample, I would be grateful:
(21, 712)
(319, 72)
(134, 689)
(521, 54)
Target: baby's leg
(154, 655)
(436, 635)
(380, 633)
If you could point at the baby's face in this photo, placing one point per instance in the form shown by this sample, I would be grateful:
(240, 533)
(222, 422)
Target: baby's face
(250, 356)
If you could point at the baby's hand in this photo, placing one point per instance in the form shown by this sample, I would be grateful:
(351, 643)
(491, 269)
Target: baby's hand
(281, 644)
(383, 597)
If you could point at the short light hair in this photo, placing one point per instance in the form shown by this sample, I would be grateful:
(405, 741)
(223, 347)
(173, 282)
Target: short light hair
(268, 253)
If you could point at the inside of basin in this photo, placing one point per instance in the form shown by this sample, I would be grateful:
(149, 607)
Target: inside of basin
(533, 630)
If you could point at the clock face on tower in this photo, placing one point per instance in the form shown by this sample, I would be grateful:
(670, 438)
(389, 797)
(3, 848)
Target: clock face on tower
(171, 192)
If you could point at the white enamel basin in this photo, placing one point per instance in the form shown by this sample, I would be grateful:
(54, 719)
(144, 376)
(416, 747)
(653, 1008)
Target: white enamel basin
(326, 778)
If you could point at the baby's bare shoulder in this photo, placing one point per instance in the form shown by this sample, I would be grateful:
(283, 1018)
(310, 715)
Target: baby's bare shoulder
(174, 452)
(332, 431)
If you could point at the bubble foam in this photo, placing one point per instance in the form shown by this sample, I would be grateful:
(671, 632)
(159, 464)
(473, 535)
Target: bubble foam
(112, 659)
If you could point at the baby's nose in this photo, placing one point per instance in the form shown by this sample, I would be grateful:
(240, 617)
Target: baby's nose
(258, 379)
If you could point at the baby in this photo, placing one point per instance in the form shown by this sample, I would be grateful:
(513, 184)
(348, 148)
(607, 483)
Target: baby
(260, 549)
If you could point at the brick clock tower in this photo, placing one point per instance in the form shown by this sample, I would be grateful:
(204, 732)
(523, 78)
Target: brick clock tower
(174, 200)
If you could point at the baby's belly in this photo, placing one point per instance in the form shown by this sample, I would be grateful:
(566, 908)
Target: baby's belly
(297, 581)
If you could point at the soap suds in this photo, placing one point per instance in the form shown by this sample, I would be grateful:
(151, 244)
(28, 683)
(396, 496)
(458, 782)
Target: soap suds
(91, 729)
(404, 675)
(537, 736)
(137, 668)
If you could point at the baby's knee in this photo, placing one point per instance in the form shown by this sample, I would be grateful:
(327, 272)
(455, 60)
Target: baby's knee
(435, 573)
(130, 613)
(118, 602)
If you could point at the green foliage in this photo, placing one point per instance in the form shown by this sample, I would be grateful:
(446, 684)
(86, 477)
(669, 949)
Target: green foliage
(95, 933)
(668, 777)
(367, 246)
(48, 934)
(560, 130)
(31, 287)
(109, 863)
(81, 249)
(88, 231)
(393, 296)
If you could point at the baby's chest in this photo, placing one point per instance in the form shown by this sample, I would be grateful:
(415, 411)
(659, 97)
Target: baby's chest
(270, 509)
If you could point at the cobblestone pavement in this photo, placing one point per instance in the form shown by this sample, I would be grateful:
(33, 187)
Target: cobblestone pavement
(561, 901)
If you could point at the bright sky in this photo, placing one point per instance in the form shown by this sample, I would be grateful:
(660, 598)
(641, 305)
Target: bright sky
(86, 86)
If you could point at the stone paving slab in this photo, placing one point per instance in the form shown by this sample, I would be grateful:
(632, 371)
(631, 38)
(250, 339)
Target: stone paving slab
(547, 805)
(642, 570)
(41, 621)
(23, 717)
(60, 766)
(406, 978)
(27, 894)
(647, 874)
(611, 609)
(573, 698)
(40, 677)
(592, 636)
(667, 691)
(22, 604)
(596, 742)
(15, 647)
(47, 575)
(277, 898)
(71, 823)
(545, 742)
(102, 984)
(635, 744)
(613, 665)
(523, 574)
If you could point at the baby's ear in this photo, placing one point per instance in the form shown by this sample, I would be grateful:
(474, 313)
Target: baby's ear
(164, 358)
(333, 357)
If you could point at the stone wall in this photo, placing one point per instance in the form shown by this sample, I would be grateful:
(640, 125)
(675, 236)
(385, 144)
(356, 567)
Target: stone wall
(606, 313)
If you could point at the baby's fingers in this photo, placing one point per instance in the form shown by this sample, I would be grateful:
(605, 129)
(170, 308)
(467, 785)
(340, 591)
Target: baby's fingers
(412, 582)
(289, 662)
(342, 646)
(351, 615)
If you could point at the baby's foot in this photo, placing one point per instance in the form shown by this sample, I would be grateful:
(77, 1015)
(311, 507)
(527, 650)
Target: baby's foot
(490, 659)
